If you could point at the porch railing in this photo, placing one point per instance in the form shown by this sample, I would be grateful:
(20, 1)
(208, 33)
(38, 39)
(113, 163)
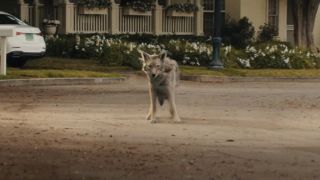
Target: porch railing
(83, 23)
(74, 22)
(135, 24)
(177, 25)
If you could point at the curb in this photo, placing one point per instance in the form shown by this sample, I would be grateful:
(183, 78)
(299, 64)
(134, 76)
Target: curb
(204, 78)
(60, 81)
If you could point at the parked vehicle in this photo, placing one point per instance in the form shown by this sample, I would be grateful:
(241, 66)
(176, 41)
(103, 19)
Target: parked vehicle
(27, 44)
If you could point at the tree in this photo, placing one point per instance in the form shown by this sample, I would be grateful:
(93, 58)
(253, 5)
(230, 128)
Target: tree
(304, 15)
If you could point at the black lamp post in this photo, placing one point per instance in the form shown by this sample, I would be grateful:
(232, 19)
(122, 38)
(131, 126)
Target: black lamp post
(216, 61)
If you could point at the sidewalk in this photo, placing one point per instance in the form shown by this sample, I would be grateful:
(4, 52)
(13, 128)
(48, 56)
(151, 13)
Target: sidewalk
(101, 81)
(60, 81)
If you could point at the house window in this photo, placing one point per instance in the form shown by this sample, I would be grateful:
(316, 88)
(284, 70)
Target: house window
(273, 13)
(208, 15)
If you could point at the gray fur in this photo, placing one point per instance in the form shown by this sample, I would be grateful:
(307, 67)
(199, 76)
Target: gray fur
(163, 77)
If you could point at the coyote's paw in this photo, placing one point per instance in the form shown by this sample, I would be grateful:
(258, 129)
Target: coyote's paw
(153, 121)
(148, 117)
(177, 119)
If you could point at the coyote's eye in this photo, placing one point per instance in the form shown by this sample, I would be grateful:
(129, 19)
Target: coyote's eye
(146, 68)
(158, 66)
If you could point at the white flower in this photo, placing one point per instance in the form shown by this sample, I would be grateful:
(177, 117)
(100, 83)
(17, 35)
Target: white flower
(253, 49)
(245, 62)
(198, 63)
(131, 47)
(308, 55)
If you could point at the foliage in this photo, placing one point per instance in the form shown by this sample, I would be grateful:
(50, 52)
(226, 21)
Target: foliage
(139, 5)
(162, 2)
(267, 33)
(278, 55)
(94, 3)
(183, 7)
(60, 47)
(123, 50)
(238, 34)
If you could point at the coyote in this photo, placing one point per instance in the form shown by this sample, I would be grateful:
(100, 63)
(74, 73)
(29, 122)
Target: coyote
(163, 77)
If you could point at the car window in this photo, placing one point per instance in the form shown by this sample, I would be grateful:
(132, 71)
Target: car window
(7, 19)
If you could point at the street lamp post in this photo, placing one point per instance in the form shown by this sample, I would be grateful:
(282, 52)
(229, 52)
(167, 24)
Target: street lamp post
(216, 62)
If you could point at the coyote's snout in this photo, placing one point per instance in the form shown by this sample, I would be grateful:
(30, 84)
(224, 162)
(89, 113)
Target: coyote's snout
(163, 76)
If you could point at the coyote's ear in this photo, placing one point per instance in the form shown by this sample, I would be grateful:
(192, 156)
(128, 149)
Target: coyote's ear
(168, 67)
(144, 56)
(163, 55)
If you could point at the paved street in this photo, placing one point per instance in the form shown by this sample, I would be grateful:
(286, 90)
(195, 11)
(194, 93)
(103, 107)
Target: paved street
(229, 131)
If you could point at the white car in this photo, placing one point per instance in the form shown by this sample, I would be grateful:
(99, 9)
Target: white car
(27, 44)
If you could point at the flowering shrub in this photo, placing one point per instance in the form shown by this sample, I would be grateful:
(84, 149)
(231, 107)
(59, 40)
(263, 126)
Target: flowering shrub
(190, 53)
(94, 3)
(278, 56)
(183, 7)
(121, 50)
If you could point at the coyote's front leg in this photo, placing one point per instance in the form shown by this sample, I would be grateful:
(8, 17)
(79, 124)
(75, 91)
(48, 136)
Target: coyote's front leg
(173, 108)
(153, 107)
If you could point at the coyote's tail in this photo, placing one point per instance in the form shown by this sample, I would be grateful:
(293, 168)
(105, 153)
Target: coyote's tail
(177, 78)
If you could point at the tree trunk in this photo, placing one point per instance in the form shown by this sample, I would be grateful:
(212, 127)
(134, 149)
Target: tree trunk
(304, 15)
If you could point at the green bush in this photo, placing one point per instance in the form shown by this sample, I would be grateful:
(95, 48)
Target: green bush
(238, 34)
(61, 47)
(267, 33)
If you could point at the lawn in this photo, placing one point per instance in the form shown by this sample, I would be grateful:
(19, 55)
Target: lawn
(50, 67)
(72, 64)
(187, 70)
(63, 68)
(30, 73)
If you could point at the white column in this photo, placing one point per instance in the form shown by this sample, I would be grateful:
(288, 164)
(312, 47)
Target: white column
(198, 16)
(114, 11)
(3, 47)
(23, 10)
(36, 15)
(157, 19)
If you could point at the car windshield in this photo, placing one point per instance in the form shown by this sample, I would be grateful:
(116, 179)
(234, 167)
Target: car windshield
(8, 19)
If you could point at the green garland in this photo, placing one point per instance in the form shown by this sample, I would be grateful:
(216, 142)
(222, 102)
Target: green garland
(140, 5)
(183, 7)
(94, 3)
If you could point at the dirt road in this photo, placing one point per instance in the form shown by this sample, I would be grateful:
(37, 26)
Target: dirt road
(229, 131)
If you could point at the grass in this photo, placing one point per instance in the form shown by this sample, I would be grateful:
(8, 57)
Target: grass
(50, 67)
(30, 73)
(72, 64)
(186, 70)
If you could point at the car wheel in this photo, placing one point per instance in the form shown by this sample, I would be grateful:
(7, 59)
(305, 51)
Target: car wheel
(16, 62)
